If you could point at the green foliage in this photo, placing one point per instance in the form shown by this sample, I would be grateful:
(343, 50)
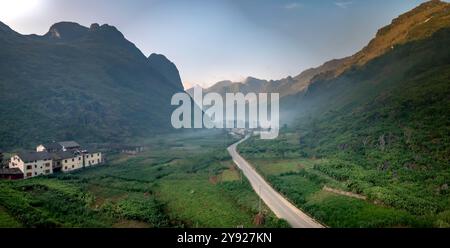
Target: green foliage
(36, 205)
(94, 89)
(381, 130)
(146, 209)
(168, 186)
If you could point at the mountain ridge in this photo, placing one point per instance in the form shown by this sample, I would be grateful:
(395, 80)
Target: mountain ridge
(89, 84)
(418, 23)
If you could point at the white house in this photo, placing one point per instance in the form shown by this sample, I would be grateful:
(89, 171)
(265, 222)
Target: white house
(92, 158)
(53, 157)
(32, 164)
(67, 161)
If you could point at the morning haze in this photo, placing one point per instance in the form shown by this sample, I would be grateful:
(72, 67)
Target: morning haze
(264, 39)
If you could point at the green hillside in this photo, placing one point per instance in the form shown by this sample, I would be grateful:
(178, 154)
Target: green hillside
(381, 130)
(88, 84)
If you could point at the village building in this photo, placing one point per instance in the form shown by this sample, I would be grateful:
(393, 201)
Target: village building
(58, 146)
(70, 146)
(53, 157)
(92, 158)
(67, 161)
(11, 173)
(49, 147)
(69, 155)
(32, 164)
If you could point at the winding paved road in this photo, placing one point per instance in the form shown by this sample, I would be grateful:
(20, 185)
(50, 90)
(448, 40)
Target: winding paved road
(275, 201)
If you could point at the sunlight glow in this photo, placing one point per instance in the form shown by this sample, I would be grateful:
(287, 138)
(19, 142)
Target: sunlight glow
(13, 9)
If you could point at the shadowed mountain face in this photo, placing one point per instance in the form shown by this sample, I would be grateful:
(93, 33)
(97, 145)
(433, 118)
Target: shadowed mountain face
(380, 127)
(89, 84)
(417, 24)
(165, 67)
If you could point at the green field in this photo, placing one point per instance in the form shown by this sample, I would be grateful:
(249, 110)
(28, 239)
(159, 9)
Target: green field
(400, 201)
(181, 181)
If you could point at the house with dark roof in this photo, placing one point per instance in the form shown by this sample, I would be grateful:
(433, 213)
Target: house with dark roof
(69, 145)
(53, 157)
(11, 174)
(58, 146)
(32, 164)
(49, 147)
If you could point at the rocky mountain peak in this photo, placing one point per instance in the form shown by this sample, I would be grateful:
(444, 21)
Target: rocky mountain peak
(66, 31)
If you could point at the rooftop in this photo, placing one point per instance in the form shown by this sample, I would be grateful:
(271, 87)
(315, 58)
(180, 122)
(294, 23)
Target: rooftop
(52, 146)
(34, 156)
(10, 171)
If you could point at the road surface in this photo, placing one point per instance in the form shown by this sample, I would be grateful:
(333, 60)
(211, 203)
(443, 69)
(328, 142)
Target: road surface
(275, 201)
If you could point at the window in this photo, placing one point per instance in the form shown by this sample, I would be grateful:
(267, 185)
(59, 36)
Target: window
(47, 165)
(73, 160)
(79, 158)
(65, 161)
(35, 166)
(35, 173)
(47, 171)
(92, 155)
(29, 174)
(73, 166)
(65, 168)
(29, 167)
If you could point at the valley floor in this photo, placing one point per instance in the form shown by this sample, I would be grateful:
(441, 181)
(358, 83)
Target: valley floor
(326, 192)
(182, 181)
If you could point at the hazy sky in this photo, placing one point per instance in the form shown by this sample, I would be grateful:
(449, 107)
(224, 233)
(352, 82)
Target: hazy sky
(213, 40)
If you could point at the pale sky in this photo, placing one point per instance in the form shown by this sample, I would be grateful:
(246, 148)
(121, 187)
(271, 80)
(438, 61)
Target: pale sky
(214, 40)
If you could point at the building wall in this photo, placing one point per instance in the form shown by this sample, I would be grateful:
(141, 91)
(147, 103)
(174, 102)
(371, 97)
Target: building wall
(32, 169)
(71, 164)
(91, 159)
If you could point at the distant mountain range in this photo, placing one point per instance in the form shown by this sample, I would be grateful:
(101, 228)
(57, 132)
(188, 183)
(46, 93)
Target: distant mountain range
(89, 84)
(417, 24)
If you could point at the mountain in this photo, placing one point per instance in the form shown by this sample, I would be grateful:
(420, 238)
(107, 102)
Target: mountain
(379, 128)
(168, 69)
(88, 84)
(416, 24)
(384, 128)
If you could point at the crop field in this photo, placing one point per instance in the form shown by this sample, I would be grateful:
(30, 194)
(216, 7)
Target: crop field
(182, 181)
(389, 202)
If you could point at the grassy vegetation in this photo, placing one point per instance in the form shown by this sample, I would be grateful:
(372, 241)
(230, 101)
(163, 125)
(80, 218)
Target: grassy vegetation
(182, 181)
(302, 183)
(381, 130)
(6, 220)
